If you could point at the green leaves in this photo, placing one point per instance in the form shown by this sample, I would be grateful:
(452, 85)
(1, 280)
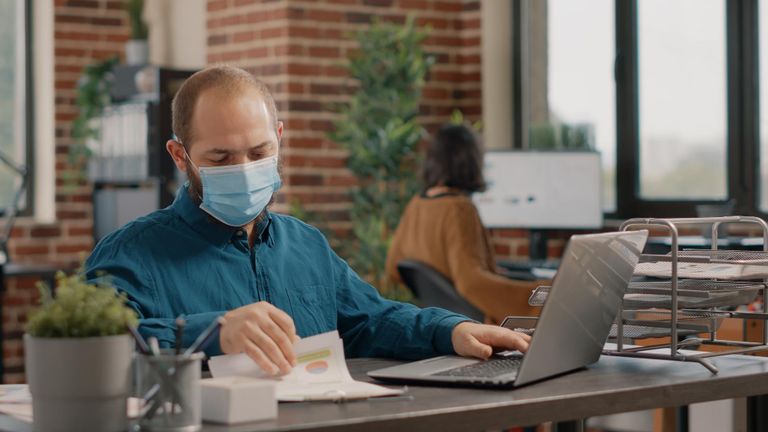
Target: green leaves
(139, 29)
(92, 96)
(380, 131)
(80, 309)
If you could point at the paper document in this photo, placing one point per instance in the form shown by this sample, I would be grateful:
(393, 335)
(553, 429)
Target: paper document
(320, 373)
(16, 401)
(689, 270)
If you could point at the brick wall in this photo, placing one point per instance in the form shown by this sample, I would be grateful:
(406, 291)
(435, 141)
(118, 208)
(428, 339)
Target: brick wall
(84, 31)
(298, 48)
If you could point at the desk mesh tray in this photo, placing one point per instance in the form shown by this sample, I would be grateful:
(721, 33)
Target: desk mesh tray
(691, 294)
(696, 321)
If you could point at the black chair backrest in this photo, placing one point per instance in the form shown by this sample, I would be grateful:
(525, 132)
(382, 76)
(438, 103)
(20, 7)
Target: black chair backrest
(434, 289)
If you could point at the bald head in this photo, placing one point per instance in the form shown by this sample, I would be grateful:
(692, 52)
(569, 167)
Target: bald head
(222, 82)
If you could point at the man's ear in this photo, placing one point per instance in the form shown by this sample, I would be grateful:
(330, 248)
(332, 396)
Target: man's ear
(176, 150)
(279, 130)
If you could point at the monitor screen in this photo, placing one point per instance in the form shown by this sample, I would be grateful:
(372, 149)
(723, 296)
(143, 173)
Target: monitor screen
(541, 190)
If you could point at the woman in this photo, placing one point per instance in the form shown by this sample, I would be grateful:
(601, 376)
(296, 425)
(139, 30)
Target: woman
(442, 228)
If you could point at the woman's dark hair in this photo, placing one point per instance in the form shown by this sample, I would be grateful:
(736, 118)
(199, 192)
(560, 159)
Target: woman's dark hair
(454, 159)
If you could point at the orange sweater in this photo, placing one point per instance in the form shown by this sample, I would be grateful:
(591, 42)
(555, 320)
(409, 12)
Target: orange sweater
(446, 233)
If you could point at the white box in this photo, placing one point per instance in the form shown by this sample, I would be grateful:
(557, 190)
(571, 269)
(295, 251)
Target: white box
(236, 399)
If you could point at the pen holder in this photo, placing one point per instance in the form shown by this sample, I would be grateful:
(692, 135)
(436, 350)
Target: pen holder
(170, 387)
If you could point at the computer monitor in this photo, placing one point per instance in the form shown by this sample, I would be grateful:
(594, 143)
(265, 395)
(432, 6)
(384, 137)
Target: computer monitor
(541, 190)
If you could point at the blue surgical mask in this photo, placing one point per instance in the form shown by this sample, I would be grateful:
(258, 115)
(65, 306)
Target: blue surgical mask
(236, 194)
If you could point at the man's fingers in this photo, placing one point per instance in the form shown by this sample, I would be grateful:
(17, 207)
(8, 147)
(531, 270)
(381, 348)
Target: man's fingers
(283, 341)
(258, 356)
(268, 347)
(478, 349)
(284, 321)
(505, 338)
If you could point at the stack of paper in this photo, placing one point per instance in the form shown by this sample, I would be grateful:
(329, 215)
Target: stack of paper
(16, 401)
(320, 372)
(689, 270)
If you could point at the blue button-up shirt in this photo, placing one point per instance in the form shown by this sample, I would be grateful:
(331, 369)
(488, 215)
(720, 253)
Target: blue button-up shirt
(178, 261)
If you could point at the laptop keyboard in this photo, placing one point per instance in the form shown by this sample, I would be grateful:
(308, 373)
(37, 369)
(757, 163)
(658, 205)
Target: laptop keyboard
(487, 369)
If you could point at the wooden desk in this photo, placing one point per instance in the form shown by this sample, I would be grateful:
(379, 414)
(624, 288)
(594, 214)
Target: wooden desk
(612, 385)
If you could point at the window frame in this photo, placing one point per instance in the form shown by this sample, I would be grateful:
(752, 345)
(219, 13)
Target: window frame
(28, 201)
(29, 110)
(742, 112)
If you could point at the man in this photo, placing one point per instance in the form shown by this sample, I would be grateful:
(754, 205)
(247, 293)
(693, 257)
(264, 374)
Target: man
(217, 250)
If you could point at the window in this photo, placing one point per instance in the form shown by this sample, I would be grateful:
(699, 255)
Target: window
(763, 100)
(682, 99)
(13, 97)
(664, 89)
(571, 93)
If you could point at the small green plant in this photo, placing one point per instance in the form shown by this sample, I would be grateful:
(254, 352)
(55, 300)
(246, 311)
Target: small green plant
(80, 310)
(139, 29)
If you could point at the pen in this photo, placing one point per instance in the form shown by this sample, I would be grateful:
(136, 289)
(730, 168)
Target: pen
(180, 323)
(154, 346)
(139, 340)
(205, 337)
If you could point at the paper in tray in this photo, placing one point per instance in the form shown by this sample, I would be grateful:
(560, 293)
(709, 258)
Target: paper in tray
(703, 270)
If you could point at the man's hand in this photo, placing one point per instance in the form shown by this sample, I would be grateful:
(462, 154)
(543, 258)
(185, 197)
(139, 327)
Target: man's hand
(263, 332)
(478, 340)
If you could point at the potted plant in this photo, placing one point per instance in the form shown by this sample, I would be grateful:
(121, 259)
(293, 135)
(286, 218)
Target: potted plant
(380, 130)
(78, 357)
(137, 49)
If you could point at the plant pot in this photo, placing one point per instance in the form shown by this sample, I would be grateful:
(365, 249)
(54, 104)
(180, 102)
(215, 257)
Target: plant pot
(79, 383)
(137, 52)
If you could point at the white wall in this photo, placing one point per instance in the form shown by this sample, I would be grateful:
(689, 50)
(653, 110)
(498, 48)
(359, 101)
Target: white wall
(177, 33)
(497, 73)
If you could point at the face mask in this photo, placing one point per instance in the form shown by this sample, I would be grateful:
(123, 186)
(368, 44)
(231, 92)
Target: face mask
(237, 194)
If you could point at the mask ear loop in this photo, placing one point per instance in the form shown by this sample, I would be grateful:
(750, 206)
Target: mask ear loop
(189, 158)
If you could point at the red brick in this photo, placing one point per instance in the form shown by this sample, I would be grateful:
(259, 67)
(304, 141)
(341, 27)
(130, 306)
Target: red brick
(43, 231)
(31, 250)
(303, 69)
(309, 143)
(329, 52)
(292, 49)
(448, 6)
(324, 15)
(220, 39)
(214, 5)
(414, 4)
(258, 52)
(321, 125)
(434, 23)
(378, 3)
(274, 32)
(304, 180)
(72, 248)
(347, 181)
(304, 32)
(76, 36)
(335, 71)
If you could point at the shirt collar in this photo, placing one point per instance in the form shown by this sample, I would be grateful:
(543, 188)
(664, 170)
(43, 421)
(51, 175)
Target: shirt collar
(212, 230)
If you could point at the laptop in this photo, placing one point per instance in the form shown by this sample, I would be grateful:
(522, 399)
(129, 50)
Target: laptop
(573, 326)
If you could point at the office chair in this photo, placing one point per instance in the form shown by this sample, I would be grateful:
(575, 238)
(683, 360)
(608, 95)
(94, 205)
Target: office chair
(434, 289)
